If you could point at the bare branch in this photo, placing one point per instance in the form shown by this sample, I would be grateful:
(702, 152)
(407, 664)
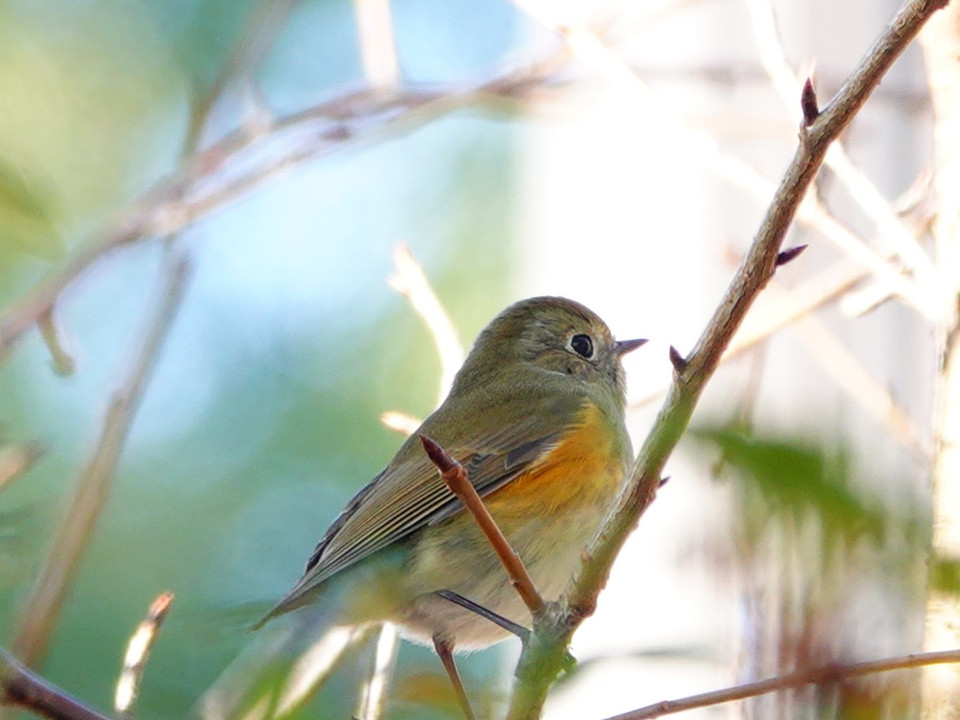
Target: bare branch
(373, 697)
(861, 188)
(93, 486)
(456, 478)
(138, 651)
(814, 676)
(210, 180)
(19, 686)
(410, 281)
(246, 55)
(15, 459)
(63, 363)
(542, 660)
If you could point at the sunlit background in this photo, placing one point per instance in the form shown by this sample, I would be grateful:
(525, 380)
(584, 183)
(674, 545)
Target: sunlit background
(606, 183)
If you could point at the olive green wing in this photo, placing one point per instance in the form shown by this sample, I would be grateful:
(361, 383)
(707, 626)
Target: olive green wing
(409, 494)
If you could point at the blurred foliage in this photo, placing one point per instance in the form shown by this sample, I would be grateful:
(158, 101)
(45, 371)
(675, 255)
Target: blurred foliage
(827, 558)
(798, 480)
(93, 103)
(28, 215)
(262, 418)
(945, 575)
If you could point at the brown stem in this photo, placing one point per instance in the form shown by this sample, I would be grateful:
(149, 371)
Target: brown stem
(456, 478)
(200, 187)
(813, 676)
(19, 686)
(93, 486)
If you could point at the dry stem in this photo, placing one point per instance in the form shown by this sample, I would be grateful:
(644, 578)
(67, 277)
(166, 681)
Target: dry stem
(138, 651)
(206, 182)
(19, 686)
(813, 676)
(456, 478)
(93, 486)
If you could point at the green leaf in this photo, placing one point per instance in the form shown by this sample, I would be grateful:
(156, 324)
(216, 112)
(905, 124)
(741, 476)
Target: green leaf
(27, 215)
(800, 481)
(945, 575)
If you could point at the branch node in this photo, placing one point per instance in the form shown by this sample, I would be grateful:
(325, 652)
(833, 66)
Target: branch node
(663, 481)
(789, 254)
(678, 361)
(63, 362)
(808, 103)
(438, 456)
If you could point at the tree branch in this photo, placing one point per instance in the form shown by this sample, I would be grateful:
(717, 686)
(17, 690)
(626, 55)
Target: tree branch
(15, 459)
(210, 180)
(19, 686)
(93, 486)
(541, 659)
(410, 281)
(813, 676)
(456, 479)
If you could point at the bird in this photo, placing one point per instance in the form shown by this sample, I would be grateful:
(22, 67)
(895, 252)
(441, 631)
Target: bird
(536, 416)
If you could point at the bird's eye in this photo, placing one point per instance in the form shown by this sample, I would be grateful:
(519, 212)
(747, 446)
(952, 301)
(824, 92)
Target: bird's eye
(582, 345)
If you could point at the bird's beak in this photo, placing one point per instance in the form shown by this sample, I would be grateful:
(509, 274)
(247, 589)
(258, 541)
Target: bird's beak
(622, 347)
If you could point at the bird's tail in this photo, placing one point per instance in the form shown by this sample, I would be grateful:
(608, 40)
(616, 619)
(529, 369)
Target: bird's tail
(280, 669)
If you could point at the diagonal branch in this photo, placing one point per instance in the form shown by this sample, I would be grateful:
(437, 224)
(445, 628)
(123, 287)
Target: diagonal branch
(541, 660)
(456, 479)
(93, 486)
(211, 180)
(410, 281)
(19, 686)
(861, 189)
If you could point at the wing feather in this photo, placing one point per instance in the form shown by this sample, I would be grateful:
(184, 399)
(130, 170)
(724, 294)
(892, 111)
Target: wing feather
(409, 494)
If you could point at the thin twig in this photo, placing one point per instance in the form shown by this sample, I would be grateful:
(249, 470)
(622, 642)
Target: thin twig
(456, 478)
(410, 281)
(15, 459)
(138, 651)
(93, 486)
(20, 687)
(373, 696)
(63, 362)
(813, 676)
(855, 380)
(246, 55)
(863, 191)
(206, 182)
(541, 660)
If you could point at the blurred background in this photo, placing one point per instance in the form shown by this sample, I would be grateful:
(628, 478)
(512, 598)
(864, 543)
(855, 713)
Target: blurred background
(625, 164)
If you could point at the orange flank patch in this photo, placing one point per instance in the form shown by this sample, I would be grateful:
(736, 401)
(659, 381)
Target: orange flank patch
(584, 469)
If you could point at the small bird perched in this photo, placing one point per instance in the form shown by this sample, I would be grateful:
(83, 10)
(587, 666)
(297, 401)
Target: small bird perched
(536, 417)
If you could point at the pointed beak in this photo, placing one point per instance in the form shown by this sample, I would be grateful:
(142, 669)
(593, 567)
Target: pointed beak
(622, 347)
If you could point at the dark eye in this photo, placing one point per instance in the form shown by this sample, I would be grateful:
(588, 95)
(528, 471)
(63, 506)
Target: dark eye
(582, 345)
